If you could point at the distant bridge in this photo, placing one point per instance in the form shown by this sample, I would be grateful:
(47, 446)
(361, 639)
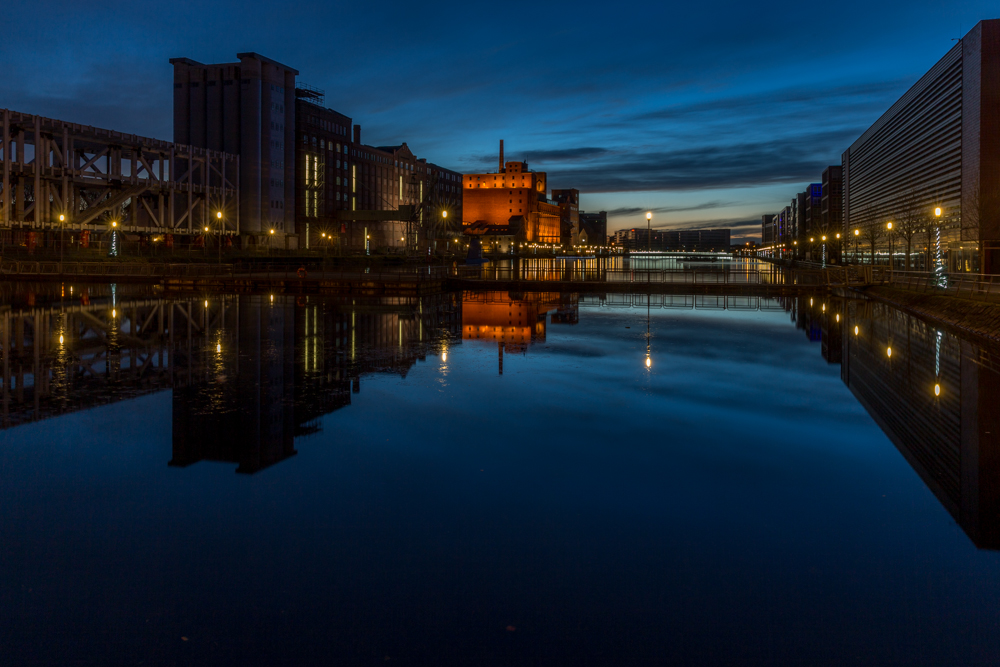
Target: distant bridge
(93, 177)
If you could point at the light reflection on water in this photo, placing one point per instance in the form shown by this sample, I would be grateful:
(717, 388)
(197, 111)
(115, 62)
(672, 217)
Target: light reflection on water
(428, 471)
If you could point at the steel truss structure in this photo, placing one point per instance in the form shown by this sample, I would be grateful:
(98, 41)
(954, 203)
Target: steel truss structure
(94, 177)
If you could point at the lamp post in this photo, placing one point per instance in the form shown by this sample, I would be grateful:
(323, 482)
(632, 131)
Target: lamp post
(857, 233)
(892, 262)
(218, 216)
(62, 240)
(206, 239)
(649, 230)
(824, 251)
(840, 249)
(270, 236)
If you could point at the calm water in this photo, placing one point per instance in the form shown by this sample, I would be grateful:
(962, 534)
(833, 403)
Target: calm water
(485, 480)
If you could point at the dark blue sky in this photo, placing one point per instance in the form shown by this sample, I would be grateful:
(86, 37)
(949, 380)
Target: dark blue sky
(708, 113)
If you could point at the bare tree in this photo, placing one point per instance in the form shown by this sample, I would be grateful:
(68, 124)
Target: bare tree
(911, 220)
(873, 230)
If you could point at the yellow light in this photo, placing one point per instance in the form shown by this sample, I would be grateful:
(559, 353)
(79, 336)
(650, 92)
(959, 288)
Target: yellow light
(272, 231)
(810, 302)
(838, 317)
(60, 339)
(114, 313)
(888, 225)
(114, 223)
(218, 347)
(62, 218)
(649, 216)
(937, 211)
(206, 229)
(206, 304)
(824, 238)
(218, 215)
(272, 298)
(824, 307)
(811, 239)
(888, 351)
(856, 232)
(855, 331)
(838, 236)
(444, 356)
(444, 214)
(937, 390)
(649, 362)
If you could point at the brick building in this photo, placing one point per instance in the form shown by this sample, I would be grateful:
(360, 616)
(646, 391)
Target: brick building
(511, 197)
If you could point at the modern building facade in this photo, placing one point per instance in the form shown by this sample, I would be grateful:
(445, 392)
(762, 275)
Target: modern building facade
(931, 164)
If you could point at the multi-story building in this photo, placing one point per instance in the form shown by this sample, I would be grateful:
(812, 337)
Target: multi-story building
(303, 166)
(569, 214)
(931, 164)
(513, 198)
(594, 228)
(244, 108)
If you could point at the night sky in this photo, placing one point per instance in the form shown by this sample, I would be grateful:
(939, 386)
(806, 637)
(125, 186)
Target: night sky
(707, 113)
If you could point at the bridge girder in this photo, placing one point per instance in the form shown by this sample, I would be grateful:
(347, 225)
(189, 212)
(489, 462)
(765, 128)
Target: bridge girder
(92, 176)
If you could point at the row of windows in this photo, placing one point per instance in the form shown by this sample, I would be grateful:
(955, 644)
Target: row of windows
(277, 89)
(277, 164)
(277, 203)
(277, 183)
(280, 127)
(279, 108)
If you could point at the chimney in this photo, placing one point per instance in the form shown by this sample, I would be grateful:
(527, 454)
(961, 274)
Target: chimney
(357, 134)
(501, 157)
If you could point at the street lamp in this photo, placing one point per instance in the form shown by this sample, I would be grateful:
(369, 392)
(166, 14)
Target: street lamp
(857, 233)
(892, 262)
(62, 239)
(649, 230)
(218, 216)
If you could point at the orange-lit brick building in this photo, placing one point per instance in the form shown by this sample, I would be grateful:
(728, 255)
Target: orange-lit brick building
(513, 197)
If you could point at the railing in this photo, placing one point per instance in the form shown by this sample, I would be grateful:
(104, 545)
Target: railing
(254, 271)
(638, 276)
(110, 269)
(979, 286)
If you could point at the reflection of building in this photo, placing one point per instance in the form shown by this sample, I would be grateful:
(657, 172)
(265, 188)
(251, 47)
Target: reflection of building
(513, 324)
(935, 397)
(244, 413)
(513, 197)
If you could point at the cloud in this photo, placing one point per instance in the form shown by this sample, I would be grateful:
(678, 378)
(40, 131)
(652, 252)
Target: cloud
(624, 211)
(787, 159)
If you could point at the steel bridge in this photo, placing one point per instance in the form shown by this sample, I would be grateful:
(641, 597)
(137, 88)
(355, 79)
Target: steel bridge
(95, 178)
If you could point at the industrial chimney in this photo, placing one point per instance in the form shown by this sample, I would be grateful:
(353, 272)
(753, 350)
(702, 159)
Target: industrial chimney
(501, 157)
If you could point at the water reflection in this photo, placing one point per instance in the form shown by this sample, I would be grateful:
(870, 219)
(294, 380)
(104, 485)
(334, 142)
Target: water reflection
(930, 391)
(251, 373)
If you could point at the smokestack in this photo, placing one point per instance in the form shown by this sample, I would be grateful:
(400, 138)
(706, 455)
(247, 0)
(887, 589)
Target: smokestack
(501, 157)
